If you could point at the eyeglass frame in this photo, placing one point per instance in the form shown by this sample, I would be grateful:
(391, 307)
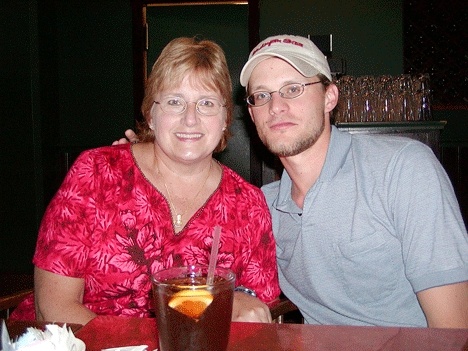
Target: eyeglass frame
(302, 85)
(188, 102)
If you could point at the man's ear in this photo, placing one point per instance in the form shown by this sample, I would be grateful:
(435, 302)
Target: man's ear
(331, 97)
(251, 113)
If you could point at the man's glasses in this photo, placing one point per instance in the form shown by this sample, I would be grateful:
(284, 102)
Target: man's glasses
(177, 105)
(288, 91)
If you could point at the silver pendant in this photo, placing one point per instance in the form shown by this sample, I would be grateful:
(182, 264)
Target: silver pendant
(178, 221)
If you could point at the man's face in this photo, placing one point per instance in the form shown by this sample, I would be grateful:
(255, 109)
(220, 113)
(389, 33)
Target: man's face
(287, 126)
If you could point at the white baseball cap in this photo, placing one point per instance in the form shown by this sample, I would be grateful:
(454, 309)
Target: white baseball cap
(299, 52)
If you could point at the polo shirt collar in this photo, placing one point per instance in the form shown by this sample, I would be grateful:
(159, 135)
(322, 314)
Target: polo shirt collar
(340, 143)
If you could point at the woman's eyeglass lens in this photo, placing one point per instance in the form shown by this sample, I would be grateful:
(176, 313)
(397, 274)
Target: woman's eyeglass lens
(177, 105)
(288, 91)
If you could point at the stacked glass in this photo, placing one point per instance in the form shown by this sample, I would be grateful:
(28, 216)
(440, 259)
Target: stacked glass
(383, 98)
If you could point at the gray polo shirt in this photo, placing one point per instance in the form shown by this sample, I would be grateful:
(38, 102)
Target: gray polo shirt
(381, 223)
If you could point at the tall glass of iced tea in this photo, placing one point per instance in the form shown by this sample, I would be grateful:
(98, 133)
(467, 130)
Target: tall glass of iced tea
(191, 315)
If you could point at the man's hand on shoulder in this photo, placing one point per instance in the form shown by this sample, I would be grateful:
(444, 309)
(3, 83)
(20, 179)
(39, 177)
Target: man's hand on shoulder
(130, 137)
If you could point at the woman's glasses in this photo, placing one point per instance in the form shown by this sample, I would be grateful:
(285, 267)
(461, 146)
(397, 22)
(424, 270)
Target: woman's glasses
(177, 105)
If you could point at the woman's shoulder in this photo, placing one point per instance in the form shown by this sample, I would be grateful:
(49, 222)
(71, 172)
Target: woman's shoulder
(106, 153)
(233, 179)
(103, 159)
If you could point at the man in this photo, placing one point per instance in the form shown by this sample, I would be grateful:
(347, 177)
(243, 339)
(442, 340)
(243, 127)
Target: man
(368, 229)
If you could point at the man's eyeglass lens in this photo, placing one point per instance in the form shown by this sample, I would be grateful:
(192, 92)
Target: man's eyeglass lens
(177, 105)
(288, 91)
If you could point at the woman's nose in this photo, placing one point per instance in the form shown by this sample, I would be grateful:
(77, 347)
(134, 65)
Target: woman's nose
(190, 114)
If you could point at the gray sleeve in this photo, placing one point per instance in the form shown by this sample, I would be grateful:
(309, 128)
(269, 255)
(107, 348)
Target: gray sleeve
(427, 219)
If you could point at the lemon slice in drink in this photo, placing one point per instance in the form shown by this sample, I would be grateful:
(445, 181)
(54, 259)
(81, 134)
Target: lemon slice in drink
(192, 303)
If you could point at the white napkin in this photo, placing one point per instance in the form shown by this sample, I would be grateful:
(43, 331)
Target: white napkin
(129, 348)
(54, 338)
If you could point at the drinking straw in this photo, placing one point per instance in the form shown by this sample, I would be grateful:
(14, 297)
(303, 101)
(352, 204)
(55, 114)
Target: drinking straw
(213, 255)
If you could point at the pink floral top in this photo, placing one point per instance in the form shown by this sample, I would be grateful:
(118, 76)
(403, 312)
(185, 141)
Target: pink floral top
(109, 225)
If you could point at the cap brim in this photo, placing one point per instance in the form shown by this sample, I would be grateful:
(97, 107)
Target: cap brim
(304, 67)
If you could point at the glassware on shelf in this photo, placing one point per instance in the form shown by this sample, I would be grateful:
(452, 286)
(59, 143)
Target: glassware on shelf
(423, 97)
(383, 98)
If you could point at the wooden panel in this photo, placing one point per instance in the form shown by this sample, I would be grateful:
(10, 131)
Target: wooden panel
(427, 132)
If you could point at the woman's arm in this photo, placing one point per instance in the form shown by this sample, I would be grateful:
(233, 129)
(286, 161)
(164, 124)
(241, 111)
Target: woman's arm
(247, 308)
(59, 298)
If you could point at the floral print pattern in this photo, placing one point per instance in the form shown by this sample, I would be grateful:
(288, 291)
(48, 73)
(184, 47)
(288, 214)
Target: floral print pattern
(110, 226)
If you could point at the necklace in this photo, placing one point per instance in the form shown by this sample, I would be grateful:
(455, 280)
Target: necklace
(177, 221)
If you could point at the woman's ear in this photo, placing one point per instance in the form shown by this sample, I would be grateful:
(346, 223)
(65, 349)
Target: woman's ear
(150, 124)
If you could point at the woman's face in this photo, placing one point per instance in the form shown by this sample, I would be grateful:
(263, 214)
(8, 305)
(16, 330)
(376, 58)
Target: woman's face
(189, 136)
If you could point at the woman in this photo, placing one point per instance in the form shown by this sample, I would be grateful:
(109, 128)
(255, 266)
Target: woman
(127, 211)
